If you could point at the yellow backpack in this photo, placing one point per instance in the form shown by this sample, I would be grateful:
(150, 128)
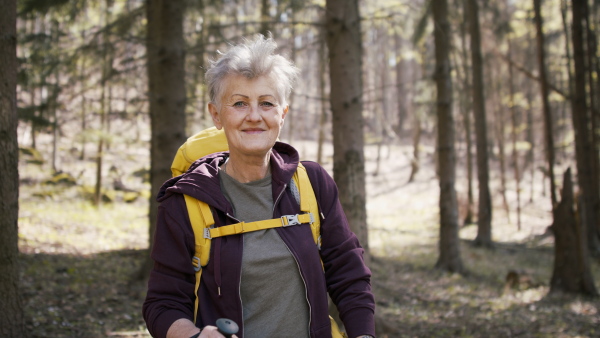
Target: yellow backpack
(210, 141)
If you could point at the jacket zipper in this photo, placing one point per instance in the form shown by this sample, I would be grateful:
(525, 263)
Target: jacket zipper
(305, 287)
(295, 260)
(279, 197)
(297, 264)
(239, 281)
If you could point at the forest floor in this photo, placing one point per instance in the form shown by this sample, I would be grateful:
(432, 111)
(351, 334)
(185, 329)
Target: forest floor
(77, 261)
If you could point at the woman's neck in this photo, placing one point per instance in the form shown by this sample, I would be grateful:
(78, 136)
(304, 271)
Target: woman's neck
(247, 169)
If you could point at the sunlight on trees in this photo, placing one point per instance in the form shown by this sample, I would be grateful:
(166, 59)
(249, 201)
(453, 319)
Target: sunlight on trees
(525, 107)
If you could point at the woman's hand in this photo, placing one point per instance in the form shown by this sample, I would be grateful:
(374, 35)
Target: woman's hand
(210, 331)
(184, 328)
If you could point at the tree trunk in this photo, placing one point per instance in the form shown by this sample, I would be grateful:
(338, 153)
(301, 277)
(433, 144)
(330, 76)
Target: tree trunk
(102, 135)
(167, 97)
(501, 139)
(548, 129)
(265, 17)
(322, 97)
(563, 14)
(449, 244)
(502, 158)
(514, 122)
(54, 112)
(381, 112)
(596, 113)
(83, 108)
(292, 96)
(484, 217)
(12, 320)
(414, 163)
(33, 90)
(530, 157)
(466, 108)
(53, 102)
(592, 73)
(581, 126)
(345, 69)
(401, 82)
(572, 271)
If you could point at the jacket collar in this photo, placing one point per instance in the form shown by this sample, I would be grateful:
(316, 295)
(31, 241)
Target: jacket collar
(201, 181)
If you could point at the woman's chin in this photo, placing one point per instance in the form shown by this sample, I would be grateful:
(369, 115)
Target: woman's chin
(254, 150)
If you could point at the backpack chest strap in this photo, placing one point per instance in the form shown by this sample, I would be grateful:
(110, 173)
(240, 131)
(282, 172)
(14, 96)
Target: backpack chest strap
(243, 227)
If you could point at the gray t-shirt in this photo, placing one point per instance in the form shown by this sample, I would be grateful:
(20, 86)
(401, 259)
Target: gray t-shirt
(273, 293)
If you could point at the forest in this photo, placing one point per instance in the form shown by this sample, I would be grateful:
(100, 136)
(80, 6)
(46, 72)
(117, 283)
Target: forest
(463, 136)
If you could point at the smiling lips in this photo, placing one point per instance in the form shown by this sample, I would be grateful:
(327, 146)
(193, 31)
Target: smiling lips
(253, 131)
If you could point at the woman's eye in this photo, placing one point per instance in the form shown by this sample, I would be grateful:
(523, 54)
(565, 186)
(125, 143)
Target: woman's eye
(239, 104)
(267, 104)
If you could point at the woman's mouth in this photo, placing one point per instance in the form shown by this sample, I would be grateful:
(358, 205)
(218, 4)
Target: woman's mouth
(253, 131)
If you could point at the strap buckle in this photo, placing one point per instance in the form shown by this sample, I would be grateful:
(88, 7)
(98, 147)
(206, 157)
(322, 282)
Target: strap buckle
(288, 220)
(207, 233)
(196, 264)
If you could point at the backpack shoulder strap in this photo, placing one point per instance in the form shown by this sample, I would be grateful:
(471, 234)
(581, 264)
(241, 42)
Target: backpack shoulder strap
(202, 222)
(201, 218)
(308, 201)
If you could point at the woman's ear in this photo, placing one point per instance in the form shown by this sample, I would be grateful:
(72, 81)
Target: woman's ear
(214, 113)
(285, 111)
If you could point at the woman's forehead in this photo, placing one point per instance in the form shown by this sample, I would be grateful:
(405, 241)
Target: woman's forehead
(236, 84)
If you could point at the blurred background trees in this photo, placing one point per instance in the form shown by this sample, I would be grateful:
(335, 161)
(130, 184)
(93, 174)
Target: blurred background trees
(97, 75)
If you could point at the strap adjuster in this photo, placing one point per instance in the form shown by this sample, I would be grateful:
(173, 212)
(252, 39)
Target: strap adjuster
(207, 233)
(288, 220)
(196, 263)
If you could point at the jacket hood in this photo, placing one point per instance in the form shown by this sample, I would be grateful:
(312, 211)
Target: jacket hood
(201, 180)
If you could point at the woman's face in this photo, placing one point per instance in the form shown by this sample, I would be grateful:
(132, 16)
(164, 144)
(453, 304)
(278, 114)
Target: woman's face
(251, 113)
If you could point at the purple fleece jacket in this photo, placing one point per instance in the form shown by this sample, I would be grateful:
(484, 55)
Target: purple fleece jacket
(171, 286)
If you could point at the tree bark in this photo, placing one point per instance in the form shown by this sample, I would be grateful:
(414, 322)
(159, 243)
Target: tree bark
(167, 95)
(530, 157)
(381, 110)
(106, 71)
(501, 139)
(592, 74)
(466, 107)
(596, 113)
(449, 244)
(572, 271)
(484, 214)
(83, 108)
(548, 128)
(11, 320)
(322, 97)
(582, 127)
(514, 121)
(414, 163)
(401, 82)
(345, 69)
(265, 17)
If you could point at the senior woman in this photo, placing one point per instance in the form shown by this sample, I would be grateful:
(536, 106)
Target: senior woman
(271, 282)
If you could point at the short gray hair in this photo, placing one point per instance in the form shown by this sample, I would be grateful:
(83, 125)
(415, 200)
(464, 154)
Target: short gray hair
(252, 59)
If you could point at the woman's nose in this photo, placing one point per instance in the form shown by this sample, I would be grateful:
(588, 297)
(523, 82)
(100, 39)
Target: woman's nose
(254, 114)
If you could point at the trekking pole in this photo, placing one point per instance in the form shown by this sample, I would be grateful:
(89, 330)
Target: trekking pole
(227, 327)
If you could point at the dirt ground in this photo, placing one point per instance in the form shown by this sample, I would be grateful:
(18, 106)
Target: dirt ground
(77, 260)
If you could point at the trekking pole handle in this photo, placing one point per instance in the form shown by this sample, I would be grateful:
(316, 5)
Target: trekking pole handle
(227, 327)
